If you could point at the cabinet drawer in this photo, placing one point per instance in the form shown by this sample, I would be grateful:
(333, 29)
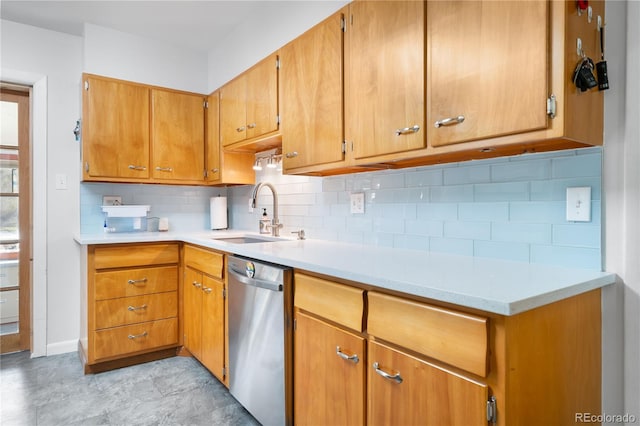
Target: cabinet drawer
(135, 255)
(113, 342)
(135, 282)
(429, 394)
(452, 337)
(207, 261)
(136, 309)
(335, 302)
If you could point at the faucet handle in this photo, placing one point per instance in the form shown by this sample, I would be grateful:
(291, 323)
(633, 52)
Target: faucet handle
(300, 234)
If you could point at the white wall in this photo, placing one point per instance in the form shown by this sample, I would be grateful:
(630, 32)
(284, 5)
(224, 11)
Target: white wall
(125, 56)
(55, 61)
(622, 210)
(276, 25)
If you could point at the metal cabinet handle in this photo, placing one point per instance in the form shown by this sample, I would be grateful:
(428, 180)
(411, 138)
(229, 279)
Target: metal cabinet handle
(450, 121)
(196, 284)
(164, 169)
(291, 154)
(206, 289)
(251, 126)
(241, 129)
(137, 308)
(407, 130)
(215, 170)
(353, 358)
(136, 282)
(135, 336)
(134, 167)
(395, 377)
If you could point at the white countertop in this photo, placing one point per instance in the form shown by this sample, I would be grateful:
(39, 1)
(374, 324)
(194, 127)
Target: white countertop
(492, 285)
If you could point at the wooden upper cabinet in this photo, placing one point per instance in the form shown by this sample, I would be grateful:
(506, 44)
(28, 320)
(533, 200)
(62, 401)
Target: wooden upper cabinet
(312, 83)
(224, 167)
(115, 130)
(177, 135)
(487, 69)
(249, 103)
(385, 77)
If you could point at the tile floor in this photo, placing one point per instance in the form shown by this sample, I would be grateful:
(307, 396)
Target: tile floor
(54, 391)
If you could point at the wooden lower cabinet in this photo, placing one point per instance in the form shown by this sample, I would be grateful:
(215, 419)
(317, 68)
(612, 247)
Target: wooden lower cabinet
(405, 390)
(430, 363)
(129, 304)
(329, 370)
(205, 310)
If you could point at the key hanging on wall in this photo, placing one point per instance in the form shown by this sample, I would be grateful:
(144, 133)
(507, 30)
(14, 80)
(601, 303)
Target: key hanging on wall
(601, 67)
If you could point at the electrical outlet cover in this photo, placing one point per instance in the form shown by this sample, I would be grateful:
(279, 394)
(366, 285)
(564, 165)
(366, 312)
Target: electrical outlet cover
(357, 203)
(111, 200)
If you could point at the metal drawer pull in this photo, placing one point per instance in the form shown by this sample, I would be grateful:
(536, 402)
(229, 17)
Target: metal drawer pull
(215, 170)
(140, 281)
(135, 336)
(137, 308)
(291, 154)
(134, 167)
(196, 284)
(353, 358)
(450, 121)
(164, 169)
(408, 130)
(251, 126)
(206, 289)
(241, 129)
(396, 377)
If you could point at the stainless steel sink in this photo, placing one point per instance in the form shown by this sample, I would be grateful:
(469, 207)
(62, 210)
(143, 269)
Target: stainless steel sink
(245, 240)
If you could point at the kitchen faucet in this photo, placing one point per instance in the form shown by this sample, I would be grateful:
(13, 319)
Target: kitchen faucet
(275, 223)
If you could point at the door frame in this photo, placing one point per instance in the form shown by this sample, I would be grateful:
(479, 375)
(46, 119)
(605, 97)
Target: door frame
(38, 113)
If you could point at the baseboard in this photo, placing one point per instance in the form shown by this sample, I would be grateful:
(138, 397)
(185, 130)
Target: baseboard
(62, 347)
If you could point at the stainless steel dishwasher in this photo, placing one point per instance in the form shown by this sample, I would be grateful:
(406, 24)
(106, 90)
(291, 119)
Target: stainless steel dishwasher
(260, 338)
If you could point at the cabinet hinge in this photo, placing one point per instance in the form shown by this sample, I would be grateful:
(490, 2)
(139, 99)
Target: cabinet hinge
(205, 104)
(224, 293)
(344, 147)
(86, 85)
(204, 173)
(343, 24)
(552, 105)
(86, 167)
(278, 63)
(278, 120)
(224, 372)
(492, 413)
(295, 324)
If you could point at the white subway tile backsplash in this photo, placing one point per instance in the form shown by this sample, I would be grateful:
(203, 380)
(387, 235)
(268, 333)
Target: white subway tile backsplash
(510, 208)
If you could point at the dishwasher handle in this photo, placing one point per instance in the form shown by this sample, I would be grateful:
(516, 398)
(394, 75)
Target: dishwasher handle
(269, 285)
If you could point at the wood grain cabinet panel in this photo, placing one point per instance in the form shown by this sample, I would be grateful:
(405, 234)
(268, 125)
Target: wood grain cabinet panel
(330, 388)
(207, 261)
(177, 135)
(135, 282)
(115, 129)
(122, 256)
(311, 75)
(415, 392)
(115, 342)
(136, 309)
(456, 338)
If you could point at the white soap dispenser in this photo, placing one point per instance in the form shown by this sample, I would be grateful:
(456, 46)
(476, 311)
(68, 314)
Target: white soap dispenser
(265, 223)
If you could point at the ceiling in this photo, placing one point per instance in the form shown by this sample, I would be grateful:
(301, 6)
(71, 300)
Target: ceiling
(197, 25)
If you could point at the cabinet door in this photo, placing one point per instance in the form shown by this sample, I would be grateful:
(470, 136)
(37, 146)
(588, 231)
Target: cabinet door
(311, 106)
(213, 137)
(262, 98)
(487, 62)
(328, 389)
(193, 311)
(233, 111)
(213, 326)
(115, 131)
(385, 103)
(418, 393)
(178, 136)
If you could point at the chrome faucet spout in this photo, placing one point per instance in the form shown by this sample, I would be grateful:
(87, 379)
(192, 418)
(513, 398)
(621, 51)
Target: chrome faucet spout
(275, 222)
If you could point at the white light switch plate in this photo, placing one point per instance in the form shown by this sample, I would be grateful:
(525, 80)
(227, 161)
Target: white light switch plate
(357, 202)
(579, 204)
(61, 181)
